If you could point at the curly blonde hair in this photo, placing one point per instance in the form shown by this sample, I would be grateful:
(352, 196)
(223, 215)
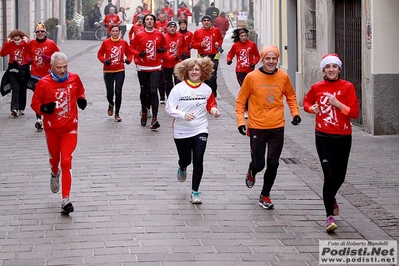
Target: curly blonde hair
(17, 32)
(182, 68)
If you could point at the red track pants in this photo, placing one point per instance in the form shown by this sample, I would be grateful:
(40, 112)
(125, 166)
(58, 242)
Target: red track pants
(61, 146)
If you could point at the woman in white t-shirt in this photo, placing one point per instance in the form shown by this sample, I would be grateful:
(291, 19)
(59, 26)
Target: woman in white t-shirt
(189, 102)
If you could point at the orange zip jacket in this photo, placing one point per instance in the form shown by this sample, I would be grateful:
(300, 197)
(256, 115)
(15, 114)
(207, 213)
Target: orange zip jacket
(265, 93)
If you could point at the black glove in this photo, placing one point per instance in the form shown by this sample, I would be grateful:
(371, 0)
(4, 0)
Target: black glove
(48, 108)
(107, 62)
(161, 50)
(242, 130)
(142, 53)
(176, 58)
(127, 62)
(184, 56)
(252, 66)
(296, 121)
(82, 103)
(229, 62)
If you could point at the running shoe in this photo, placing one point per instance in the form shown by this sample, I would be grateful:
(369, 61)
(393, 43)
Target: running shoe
(39, 124)
(154, 124)
(55, 182)
(181, 174)
(162, 102)
(194, 197)
(110, 111)
(331, 226)
(336, 208)
(143, 119)
(249, 179)
(14, 113)
(66, 206)
(148, 113)
(265, 203)
(117, 118)
(21, 112)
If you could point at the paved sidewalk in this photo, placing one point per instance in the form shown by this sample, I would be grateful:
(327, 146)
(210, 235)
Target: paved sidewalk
(131, 210)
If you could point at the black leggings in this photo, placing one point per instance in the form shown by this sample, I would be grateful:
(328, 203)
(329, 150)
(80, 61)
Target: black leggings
(117, 79)
(149, 82)
(194, 146)
(274, 138)
(334, 155)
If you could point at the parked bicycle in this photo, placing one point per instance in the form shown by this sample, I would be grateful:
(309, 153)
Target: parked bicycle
(101, 31)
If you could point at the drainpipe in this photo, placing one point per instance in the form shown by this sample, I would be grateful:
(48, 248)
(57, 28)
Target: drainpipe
(4, 9)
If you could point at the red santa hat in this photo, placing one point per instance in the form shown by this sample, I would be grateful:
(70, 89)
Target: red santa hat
(330, 59)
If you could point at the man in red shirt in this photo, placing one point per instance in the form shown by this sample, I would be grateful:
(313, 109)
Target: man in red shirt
(40, 51)
(57, 97)
(111, 19)
(145, 9)
(174, 49)
(139, 11)
(222, 23)
(207, 41)
(161, 23)
(148, 47)
(168, 11)
(138, 26)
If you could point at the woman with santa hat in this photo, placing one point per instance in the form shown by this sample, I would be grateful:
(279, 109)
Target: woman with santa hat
(334, 102)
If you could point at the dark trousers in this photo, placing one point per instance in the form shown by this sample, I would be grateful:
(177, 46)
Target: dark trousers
(333, 155)
(149, 82)
(274, 139)
(170, 80)
(197, 18)
(195, 147)
(212, 81)
(161, 86)
(123, 31)
(33, 82)
(240, 78)
(19, 82)
(113, 84)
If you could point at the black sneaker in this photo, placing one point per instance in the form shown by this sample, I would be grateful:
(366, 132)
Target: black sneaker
(154, 124)
(66, 206)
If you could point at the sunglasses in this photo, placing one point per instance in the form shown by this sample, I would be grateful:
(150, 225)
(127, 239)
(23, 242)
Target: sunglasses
(40, 31)
(206, 20)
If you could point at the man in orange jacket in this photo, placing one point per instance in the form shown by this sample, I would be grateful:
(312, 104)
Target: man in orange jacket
(265, 88)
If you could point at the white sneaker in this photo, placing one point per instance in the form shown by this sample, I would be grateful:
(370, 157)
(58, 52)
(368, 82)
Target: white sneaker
(21, 112)
(194, 197)
(66, 206)
(55, 182)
